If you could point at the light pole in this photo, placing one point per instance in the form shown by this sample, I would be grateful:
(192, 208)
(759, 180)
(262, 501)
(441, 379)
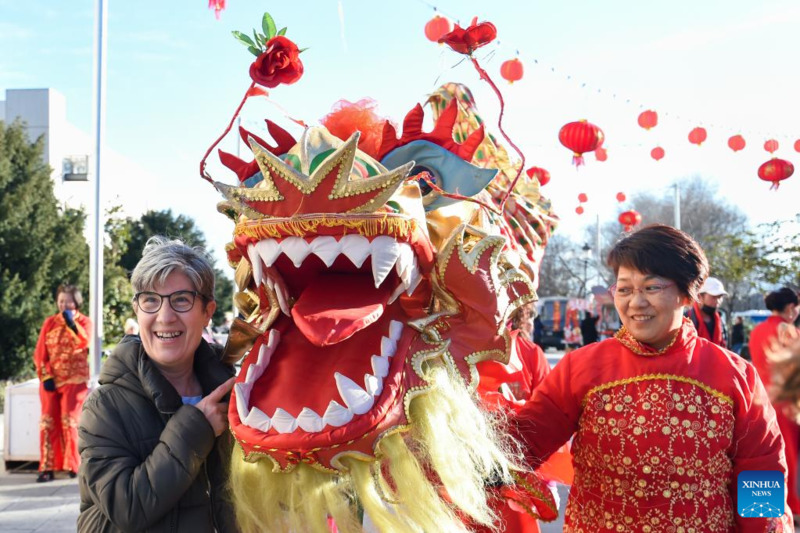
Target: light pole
(587, 256)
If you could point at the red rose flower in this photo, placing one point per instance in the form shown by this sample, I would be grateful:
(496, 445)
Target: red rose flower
(279, 63)
(466, 41)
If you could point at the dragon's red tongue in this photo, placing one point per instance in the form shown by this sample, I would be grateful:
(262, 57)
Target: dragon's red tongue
(334, 307)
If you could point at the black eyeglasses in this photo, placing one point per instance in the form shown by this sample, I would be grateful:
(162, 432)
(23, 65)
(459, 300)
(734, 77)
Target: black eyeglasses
(179, 301)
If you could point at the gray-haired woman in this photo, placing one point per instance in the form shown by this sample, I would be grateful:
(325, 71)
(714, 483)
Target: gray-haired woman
(152, 437)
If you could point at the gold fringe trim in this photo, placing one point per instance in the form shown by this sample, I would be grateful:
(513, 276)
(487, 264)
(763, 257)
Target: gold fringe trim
(302, 226)
(652, 377)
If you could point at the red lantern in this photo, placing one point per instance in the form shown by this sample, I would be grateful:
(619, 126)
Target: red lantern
(775, 170)
(629, 219)
(600, 154)
(697, 136)
(797, 145)
(511, 70)
(648, 119)
(437, 27)
(580, 137)
(736, 143)
(579, 209)
(771, 146)
(540, 174)
(657, 153)
(583, 198)
(620, 196)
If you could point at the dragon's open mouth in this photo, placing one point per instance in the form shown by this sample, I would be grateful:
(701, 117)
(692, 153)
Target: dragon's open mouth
(335, 356)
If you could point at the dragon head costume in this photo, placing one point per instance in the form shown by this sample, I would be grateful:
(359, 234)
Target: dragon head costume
(367, 301)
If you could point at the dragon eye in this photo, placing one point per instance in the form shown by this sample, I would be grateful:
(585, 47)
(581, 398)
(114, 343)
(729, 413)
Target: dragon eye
(424, 186)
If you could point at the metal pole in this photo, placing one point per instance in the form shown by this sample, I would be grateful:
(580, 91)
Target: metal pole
(677, 206)
(597, 247)
(96, 260)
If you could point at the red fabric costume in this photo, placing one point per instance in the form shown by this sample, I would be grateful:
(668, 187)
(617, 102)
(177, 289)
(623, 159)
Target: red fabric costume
(526, 368)
(759, 339)
(702, 331)
(63, 355)
(660, 437)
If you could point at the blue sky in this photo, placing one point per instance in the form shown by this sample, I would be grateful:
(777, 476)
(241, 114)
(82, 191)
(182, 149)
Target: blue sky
(175, 75)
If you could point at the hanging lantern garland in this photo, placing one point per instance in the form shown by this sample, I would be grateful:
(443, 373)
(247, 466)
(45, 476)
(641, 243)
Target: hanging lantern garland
(657, 153)
(579, 209)
(736, 143)
(620, 197)
(797, 145)
(600, 154)
(582, 198)
(629, 219)
(580, 137)
(648, 119)
(775, 170)
(437, 27)
(539, 174)
(771, 146)
(511, 70)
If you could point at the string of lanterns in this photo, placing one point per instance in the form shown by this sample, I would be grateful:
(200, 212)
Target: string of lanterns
(582, 136)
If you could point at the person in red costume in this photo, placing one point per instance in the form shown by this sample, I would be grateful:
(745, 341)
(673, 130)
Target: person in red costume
(783, 304)
(663, 420)
(704, 315)
(62, 365)
(507, 387)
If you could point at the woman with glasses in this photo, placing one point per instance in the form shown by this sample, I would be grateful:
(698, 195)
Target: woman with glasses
(663, 421)
(153, 437)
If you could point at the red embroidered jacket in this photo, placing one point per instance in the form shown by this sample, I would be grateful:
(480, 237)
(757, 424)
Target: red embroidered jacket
(659, 438)
(61, 353)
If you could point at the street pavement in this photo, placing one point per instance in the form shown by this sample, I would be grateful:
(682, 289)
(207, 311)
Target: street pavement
(28, 507)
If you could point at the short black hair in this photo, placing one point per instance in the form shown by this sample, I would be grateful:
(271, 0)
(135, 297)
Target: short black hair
(778, 300)
(664, 251)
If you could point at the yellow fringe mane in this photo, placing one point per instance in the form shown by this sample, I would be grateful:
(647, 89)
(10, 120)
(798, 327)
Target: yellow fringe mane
(425, 480)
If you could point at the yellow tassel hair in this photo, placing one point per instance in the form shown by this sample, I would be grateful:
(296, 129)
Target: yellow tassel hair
(421, 481)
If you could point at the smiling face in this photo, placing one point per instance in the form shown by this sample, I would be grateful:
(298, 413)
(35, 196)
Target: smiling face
(651, 319)
(171, 338)
(65, 301)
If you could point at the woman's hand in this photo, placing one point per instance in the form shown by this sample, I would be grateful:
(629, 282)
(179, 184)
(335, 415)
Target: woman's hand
(214, 409)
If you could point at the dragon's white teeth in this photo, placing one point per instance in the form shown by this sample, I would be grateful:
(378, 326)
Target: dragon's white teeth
(296, 249)
(258, 420)
(266, 350)
(357, 399)
(380, 366)
(388, 347)
(336, 415)
(310, 421)
(404, 260)
(356, 248)
(373, 385)
(269, 250)
(395, 329)
(283, 422)
(385, 251)
(253, 373)
(242, 399)
(396, 294)
(255, 261)
(326, 248)
(416, 277)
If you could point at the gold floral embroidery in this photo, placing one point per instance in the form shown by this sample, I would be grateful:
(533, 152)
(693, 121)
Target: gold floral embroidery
(629, 341)
(654, 465)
